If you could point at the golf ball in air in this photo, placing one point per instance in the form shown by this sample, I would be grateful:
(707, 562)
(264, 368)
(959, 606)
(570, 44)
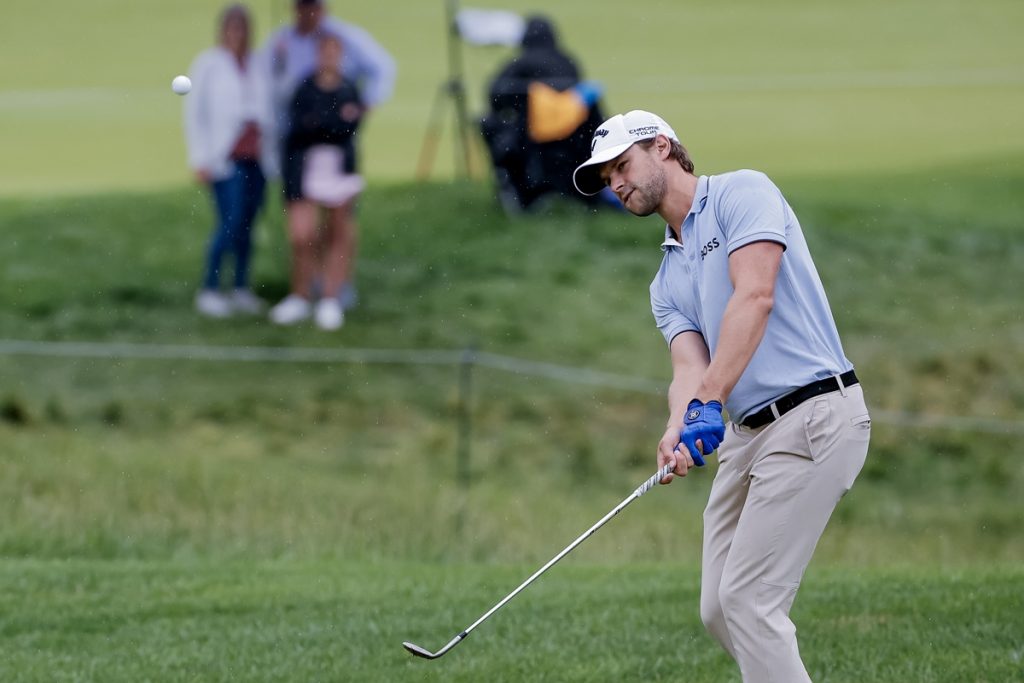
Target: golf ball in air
(181, 85)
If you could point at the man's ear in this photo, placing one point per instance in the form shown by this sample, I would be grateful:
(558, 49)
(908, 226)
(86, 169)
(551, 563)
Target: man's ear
(663, 146)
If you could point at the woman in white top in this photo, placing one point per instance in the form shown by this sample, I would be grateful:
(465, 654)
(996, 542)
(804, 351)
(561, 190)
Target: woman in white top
(228, 133)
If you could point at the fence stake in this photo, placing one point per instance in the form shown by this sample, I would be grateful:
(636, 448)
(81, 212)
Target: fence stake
(464, 417)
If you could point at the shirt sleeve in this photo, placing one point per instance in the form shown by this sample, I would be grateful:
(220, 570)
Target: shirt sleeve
(272, 60)
(213, 113)
(304, 117)
(196, 131)
(751, 209)
(372, 66)
(671, 321)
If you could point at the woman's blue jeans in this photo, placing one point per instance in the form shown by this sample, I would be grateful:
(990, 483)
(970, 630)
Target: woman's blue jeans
(237, 200)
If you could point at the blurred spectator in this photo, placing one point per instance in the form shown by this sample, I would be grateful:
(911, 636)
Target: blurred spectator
(227, 123)
(291, 55)
(319, 170)
(540, 122)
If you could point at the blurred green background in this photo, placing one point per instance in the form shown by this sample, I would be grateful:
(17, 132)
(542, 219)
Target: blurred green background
(169, 519)
(793, 88)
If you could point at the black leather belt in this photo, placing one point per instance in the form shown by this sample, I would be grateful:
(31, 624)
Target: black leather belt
(795, 398)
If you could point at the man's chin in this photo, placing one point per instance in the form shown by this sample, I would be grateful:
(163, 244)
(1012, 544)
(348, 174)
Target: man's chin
(642, 211)
(636, 209)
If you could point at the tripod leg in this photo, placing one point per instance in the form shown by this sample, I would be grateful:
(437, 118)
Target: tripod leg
(462, 133)
(428, 150)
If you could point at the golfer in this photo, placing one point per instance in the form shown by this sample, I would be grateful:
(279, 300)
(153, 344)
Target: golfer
(748, 326)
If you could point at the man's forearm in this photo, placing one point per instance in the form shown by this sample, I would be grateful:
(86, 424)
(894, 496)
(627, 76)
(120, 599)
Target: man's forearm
(678, 397)
(743, 325)
(690, 358)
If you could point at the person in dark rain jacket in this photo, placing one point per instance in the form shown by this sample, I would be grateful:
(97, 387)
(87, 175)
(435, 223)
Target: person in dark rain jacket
(530, 161)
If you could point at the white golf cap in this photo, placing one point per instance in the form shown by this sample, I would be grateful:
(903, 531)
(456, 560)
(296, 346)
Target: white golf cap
(614, 137)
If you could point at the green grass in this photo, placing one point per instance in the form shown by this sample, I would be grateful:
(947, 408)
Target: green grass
(793, 88)
(173, 520)
(344, 621)
(152, 459)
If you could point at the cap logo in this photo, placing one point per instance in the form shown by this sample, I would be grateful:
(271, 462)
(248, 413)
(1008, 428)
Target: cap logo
(601, 132)
(644, 131)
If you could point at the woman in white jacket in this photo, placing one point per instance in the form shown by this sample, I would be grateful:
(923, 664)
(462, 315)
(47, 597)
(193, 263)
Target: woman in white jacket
(227, 131)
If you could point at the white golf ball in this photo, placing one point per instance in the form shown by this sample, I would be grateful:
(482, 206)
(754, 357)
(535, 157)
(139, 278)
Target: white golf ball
(181, 85)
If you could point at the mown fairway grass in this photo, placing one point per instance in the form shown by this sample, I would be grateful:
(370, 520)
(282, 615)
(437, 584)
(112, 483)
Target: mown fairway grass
(340, 621)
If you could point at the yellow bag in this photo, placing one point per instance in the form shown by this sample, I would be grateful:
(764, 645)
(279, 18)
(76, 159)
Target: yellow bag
(552, 115)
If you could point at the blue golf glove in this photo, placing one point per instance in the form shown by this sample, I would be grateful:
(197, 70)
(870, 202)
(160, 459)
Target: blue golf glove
(702, 422)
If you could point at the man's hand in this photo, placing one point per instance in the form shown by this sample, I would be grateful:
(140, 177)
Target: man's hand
(203, 176)
(703, 428)
(669, 454)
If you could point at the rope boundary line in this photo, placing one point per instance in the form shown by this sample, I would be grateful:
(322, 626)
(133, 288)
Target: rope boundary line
(553, 371)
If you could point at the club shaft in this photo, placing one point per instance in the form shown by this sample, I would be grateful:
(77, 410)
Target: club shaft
(641, 490)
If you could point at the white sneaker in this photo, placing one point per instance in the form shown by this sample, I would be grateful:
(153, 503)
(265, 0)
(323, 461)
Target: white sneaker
(329, 315)
(213, 304)
(244, 301)
(292, 309)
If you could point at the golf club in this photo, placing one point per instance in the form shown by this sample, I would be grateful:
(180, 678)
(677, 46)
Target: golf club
(641, 490)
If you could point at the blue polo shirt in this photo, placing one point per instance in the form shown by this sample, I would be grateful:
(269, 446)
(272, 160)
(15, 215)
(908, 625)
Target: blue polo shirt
(801, 344)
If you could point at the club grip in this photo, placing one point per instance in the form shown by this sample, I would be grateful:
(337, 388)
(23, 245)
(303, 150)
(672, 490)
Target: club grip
(652, 482)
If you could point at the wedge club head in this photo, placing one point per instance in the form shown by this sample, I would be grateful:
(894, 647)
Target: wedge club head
(415, 649)
(419, 651)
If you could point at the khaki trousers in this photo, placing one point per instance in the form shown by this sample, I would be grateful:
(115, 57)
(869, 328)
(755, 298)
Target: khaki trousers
(773, 494)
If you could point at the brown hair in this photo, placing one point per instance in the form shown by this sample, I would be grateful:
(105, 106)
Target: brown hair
(235, 12)
(677, 152)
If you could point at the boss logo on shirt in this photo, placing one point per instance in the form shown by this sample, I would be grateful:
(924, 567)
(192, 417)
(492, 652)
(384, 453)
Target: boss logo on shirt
(709, 247)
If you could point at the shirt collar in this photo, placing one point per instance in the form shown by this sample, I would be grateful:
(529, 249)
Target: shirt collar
(700, 198)
(670, 239)
(700, 195)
